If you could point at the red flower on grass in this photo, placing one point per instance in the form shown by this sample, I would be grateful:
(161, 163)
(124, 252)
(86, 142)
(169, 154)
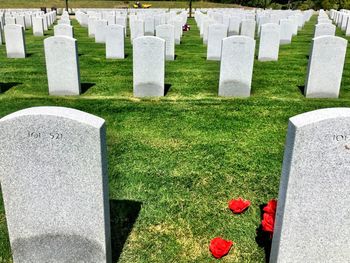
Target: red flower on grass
(238, 205)
(220, 247)
(271, 206)
(268, 222)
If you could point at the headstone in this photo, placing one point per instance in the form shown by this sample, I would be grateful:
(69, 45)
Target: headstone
(64, 21)
(62, 65)
(1, 34)
(28, 20)
(167, 32)
(177, 23)
(325, 67)
(63, 30)
(312, 221)
(324, 30)
(137, 29)
(20, 21)
(10, 20)
(236, 68)
(248, 28)
(15, 41)
(286, 31)
(217, 32)
(46, 25)
(234, 25)
(55, 186)
(148, 66)
(269, 42)
(149, 26)
(115, 42)
(92, 26)
(38, 26)
(100, 34)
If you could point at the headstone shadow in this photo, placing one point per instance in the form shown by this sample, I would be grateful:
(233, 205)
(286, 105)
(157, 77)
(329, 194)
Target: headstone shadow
(301, 88)
(6, 86)
(166, 88)
(86, 86)
(263, 238)
(123, 216)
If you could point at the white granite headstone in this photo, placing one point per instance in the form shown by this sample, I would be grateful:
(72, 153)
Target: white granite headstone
(55, 186)
(236, 68)
(269, 42)
(38, 26)
(324, 29)
(217, 32)
(115, 42)
(167, 32)
(63, 30)
(312, 221)
(15, 41)
(148, 66)
(62, 65)
(325, 67)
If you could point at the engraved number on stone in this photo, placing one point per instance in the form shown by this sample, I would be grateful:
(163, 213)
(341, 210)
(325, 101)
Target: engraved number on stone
(56, 136)
(34, 135)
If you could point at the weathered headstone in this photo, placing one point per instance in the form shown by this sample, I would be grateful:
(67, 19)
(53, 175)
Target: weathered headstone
(269, 42)
(325, 67)
(55, 186)
(63, 30)
(312, 221)
(236, 68)
(38, 26)
(115, 41)
(62, 65)
(148, 66)
(15, 41)
(167, 32)
(324, 30)
(217, 32)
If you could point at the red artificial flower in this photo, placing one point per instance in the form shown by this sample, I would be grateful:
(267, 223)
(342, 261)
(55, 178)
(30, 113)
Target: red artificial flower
(220, 247)
(270, 208)
(238, 205)
(268, 222)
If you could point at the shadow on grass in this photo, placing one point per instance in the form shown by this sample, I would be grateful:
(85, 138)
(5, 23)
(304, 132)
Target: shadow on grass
(263, 238)
(86, 86)
(6, 86)
(28, 55)
(302, 89)
(166, 88)
(123, 216)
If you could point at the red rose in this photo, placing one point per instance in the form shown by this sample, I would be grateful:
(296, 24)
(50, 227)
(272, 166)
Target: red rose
(268, 222)
(220, 247)
(271, 206)
(238, 205)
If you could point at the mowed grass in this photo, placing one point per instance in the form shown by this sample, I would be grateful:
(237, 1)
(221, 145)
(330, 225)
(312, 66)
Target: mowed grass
(174, 162)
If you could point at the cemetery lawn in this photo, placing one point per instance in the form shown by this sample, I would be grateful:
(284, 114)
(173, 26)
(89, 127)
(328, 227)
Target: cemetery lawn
(175, 162)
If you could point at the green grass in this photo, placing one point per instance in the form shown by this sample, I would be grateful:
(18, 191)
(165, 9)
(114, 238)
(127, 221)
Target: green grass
(182, 157)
